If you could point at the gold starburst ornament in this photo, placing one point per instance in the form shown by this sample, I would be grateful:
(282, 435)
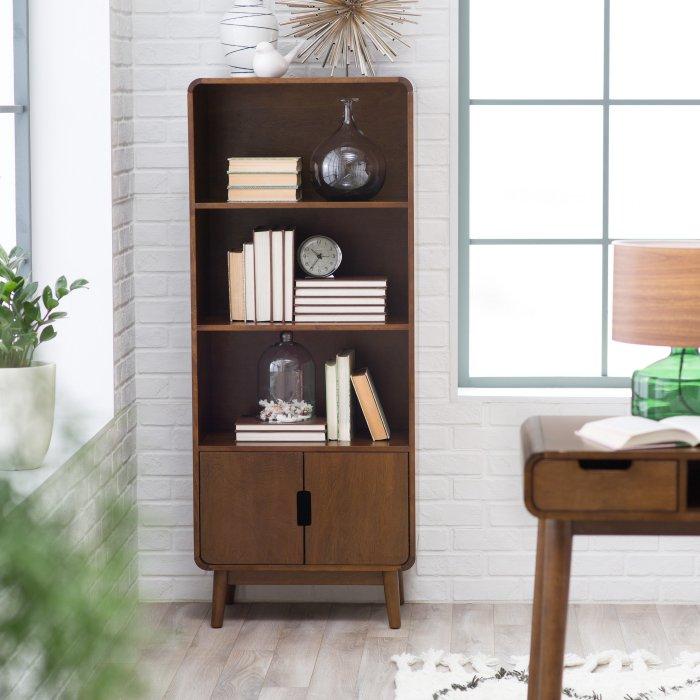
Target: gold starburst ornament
(337, 30)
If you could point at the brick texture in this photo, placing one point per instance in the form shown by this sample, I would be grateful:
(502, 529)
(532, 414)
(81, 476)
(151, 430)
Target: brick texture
(475, 539)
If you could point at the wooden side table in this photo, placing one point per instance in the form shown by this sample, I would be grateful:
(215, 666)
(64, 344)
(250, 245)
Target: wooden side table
(576, 488)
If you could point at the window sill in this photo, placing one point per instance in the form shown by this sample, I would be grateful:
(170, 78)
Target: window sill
(70, 434)
(563, 393)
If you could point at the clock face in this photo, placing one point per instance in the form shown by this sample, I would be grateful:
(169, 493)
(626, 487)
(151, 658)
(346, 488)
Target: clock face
(319, 256)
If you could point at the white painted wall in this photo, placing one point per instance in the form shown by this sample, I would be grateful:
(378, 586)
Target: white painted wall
(475, 539)
(72, 190)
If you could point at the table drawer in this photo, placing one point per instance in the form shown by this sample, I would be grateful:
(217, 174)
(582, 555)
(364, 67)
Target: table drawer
(605, 485)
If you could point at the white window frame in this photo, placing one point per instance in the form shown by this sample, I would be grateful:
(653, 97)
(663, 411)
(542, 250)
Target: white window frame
(465, 243)
(20, 108)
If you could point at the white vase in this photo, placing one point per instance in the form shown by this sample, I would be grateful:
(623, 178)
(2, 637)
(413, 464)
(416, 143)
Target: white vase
(27, 400)
(247, 24)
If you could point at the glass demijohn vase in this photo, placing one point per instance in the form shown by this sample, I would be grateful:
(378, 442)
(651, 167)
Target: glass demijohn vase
(348, 165)
(286, 382)
(669, 387)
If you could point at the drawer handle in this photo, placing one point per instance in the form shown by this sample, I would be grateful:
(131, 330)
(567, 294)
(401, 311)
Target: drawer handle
(608, 465)
(303, 508)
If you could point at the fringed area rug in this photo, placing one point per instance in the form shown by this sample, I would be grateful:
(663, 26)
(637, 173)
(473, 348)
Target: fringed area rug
(610, 675)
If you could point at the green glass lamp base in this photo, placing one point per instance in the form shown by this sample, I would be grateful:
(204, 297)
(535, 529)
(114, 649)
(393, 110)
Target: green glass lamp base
(669, 387)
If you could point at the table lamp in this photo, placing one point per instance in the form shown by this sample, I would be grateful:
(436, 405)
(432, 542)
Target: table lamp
(656, 301)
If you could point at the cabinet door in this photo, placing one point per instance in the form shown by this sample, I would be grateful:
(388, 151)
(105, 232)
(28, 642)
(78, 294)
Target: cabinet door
(248, 508)
(359, 508)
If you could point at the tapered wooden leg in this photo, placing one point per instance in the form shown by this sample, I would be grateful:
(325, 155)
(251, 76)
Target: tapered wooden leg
(402, 600)
(392, 598)
(218, 599)
(554, 604)
(533, 688)
(230, 591)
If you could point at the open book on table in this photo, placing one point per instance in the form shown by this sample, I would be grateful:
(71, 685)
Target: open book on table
(631, 432)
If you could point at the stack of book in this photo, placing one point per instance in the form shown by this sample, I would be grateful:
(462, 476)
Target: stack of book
(261, 278)
(348, 300)
(264, 179)
(254, 430)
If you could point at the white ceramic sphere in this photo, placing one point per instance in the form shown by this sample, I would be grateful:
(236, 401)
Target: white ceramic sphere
(242, 28)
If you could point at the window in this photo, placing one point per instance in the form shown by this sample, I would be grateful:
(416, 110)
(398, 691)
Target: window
(579, 126)
(14, 126)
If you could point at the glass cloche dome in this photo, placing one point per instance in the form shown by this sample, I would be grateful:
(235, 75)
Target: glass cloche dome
(286, 382)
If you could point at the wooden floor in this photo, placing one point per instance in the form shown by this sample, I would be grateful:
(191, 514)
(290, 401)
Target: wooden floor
(334, 652)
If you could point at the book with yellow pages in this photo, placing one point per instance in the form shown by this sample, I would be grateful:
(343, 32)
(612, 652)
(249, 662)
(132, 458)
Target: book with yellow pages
(371, 407)
(264, 194)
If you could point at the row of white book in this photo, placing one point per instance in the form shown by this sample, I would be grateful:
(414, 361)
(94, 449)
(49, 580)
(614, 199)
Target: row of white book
(341, 300)
(261, 278)
(264, 179)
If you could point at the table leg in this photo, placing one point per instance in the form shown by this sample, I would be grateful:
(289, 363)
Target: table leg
(392, 598)
(554, 604)
(533, 688)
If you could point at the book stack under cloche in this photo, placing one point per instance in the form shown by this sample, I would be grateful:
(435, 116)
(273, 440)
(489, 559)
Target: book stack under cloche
(348, 300)
(264, 179)
(254, 430)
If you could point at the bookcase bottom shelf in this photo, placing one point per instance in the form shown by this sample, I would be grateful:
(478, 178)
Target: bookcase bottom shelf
(225, 441)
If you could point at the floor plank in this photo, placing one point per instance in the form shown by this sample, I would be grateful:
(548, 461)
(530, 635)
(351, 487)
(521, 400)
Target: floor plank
(282, 694)
(472, 629)
(206, 656)
(243, 675)
(598, 628)
(337, 666)
(166, 650)
(642, 629)
(681, 624)
(376, 674)
(379, 624)
(431, 627)
(298, 646)
(512, 630)
(262, 628)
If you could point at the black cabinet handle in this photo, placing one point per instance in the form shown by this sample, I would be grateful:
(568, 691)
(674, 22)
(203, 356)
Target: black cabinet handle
(303, 508)
(610, 465)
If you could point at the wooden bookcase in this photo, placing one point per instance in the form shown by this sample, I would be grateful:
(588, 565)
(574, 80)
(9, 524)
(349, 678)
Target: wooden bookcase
(246, 527)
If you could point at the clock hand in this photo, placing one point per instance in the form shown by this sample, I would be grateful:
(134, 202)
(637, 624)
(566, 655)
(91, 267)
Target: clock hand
(315, 263)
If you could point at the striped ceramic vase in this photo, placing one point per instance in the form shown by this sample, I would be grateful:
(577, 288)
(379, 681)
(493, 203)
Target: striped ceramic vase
(247, 24)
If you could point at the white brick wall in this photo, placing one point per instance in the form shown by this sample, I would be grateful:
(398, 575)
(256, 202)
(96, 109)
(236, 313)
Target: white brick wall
(475, 540)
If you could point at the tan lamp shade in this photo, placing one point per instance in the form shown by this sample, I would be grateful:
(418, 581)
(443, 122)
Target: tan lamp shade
(656, 293)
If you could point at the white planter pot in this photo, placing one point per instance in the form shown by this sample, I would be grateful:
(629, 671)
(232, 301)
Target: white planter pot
(27, 400)
(247, 24)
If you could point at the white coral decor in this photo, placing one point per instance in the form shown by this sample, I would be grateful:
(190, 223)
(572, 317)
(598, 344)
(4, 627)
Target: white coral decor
(285, 411)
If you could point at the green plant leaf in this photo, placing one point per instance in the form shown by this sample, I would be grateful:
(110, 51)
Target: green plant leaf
(61, 287)
(55, 315)
(47, 334)
(78, 284)
(49, 302)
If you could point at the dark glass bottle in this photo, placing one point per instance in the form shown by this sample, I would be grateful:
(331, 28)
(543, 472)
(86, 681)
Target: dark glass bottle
(348, 165)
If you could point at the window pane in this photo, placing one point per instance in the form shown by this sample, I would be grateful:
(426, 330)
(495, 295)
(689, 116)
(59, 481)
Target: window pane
(7, 180)
(625, 358)
(535, 311)
(655, 172)
(536, 49)
(6, 54)
(536, 172)
(654, 49)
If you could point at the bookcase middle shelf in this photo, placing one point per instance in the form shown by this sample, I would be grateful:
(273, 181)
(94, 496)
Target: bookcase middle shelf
(208, 325)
